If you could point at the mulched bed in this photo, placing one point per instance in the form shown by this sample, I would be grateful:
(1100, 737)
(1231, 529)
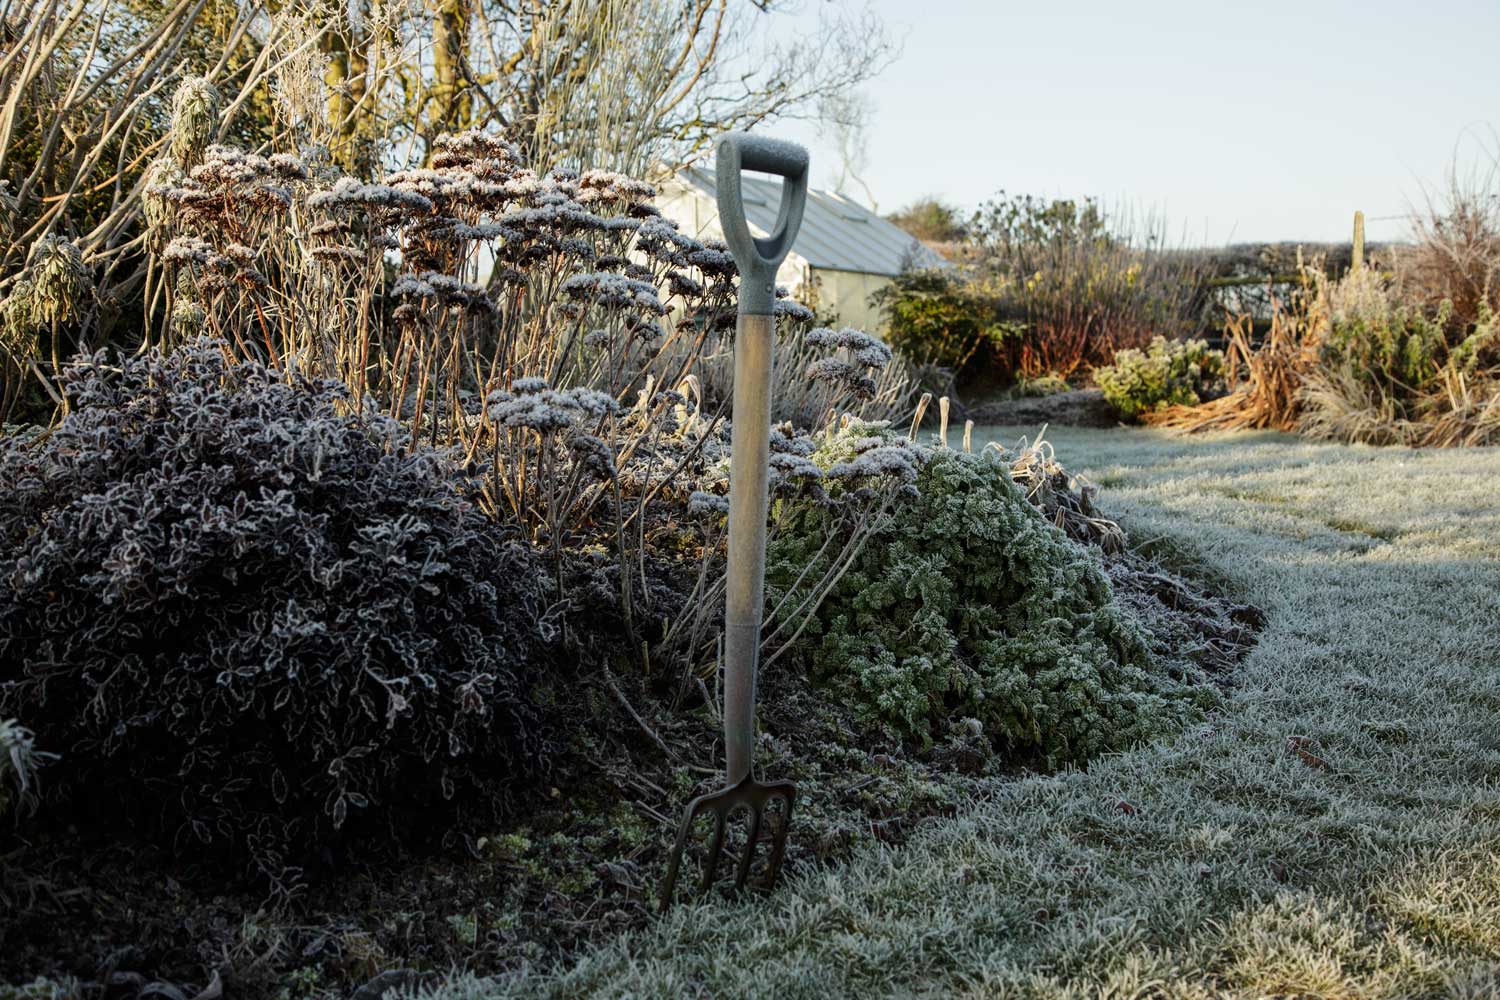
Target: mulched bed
(1078, 408)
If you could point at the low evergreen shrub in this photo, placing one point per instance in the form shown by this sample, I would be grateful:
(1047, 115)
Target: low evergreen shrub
(1184, 372)
(1042, 385)
(967, 604)
(943, 318)
(247, 615)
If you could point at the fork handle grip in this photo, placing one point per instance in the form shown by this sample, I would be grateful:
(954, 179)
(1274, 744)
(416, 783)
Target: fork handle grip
(758, 257)
(770, 156)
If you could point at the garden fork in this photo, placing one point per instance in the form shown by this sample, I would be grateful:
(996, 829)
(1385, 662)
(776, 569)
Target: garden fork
(749, 458)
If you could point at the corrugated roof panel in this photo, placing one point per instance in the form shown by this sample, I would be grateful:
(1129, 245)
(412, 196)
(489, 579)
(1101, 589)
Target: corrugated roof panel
(837, 234)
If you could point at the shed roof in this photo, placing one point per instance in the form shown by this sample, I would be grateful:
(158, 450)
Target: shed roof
(837, 234)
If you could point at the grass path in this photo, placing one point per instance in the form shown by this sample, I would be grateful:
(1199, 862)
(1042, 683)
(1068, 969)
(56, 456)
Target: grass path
(1334, 833)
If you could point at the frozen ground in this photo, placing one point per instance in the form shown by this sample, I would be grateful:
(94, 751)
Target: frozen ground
(1334, 833)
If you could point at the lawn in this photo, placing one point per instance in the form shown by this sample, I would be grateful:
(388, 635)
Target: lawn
(1335, 832)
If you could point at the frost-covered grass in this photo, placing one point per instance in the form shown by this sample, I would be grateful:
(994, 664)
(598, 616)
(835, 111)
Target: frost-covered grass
(1334, 833)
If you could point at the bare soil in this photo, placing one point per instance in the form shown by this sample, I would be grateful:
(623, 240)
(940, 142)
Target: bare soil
(1077, 408)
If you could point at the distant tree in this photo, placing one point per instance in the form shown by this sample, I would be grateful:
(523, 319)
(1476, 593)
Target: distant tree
(1016, 225)
(617, 84)
(845, 116)
(931, 220)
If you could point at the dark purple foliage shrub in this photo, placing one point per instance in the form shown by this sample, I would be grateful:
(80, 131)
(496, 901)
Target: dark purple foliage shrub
(250, 618)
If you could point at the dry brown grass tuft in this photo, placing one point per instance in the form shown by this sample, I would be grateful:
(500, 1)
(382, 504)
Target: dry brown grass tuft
(1265, 383)
(1410, 357)
(1465, 411)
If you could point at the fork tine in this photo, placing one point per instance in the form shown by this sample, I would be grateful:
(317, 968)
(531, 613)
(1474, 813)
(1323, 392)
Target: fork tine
(752, 835)
(752, 796)
(715, 848)
(684, 830)
(778, 838)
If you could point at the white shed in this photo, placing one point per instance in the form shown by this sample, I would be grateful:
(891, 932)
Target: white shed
(843, 253)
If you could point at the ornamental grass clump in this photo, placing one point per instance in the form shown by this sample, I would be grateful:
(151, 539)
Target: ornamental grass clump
(1167, 373)
(967, 604)
(257, 622)
(1391, 371)
(1405, 356)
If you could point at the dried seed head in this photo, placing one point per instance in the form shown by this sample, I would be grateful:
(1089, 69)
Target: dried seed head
(864, 349)
(195, 116)
(62, 282)
(189, 250)
(9, 207)
(842, 374)
(18, 325)
(162, 176)
(188, 318)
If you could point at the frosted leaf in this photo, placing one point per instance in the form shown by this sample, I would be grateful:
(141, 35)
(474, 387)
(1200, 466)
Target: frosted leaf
(889, 460)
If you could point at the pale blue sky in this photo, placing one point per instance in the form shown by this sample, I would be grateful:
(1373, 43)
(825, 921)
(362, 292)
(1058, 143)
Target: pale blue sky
(1271, 120)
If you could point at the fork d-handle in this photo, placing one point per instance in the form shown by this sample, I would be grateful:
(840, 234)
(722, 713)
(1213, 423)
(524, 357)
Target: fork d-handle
(755, 334)
(758, 257)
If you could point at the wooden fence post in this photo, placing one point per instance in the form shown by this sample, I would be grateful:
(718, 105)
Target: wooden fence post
(1357, 259)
